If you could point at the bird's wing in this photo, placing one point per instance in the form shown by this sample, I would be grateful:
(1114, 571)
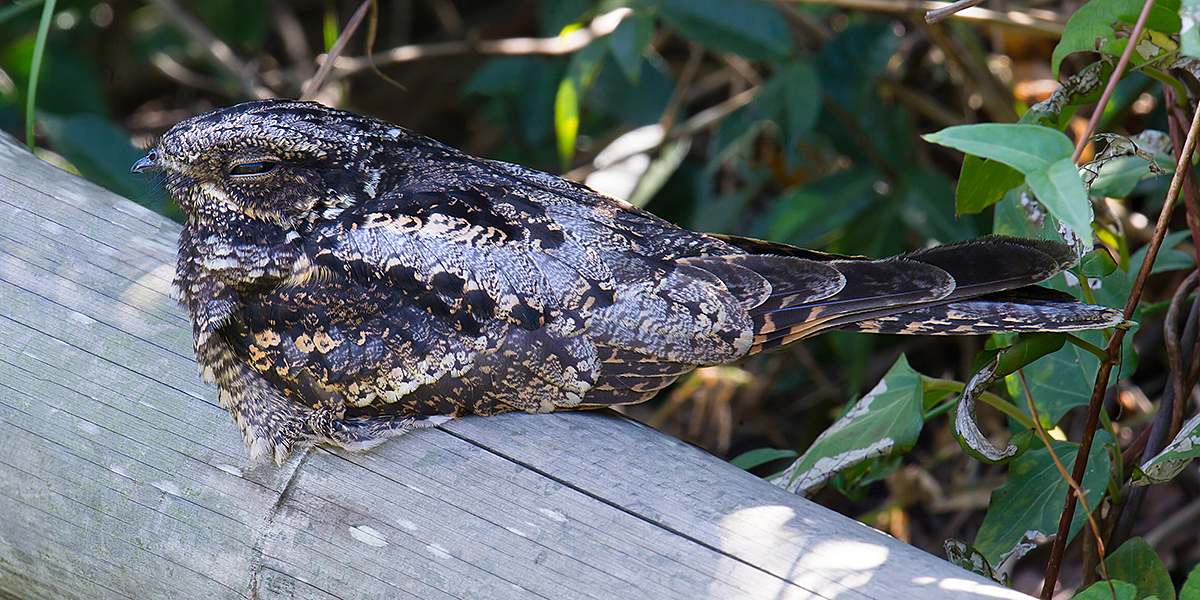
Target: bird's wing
(484, 298)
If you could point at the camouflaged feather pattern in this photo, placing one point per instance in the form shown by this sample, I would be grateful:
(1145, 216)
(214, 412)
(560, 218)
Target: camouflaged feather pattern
(350, 280)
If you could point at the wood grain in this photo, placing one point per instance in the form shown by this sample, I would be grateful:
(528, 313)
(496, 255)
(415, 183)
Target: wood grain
(120, 477)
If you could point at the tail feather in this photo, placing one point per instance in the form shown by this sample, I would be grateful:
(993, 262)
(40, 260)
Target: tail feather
(980, 286)
(996, 263)
(987, 315)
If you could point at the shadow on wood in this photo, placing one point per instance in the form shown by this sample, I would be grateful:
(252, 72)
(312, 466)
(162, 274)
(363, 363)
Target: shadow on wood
(120, 477)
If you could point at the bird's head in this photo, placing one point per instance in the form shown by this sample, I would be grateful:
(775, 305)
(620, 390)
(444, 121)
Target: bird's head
(281, 161)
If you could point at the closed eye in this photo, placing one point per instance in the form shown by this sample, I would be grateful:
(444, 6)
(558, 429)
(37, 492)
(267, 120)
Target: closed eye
(252, 168)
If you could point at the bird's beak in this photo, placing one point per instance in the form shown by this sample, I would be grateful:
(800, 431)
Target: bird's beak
(144, 163)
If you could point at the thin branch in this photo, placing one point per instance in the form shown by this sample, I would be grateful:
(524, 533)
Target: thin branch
(318, 80)
(1113, 81)
(1072, 482)
(602, 25)
(219, 51)
(1043, 22)
(1114, 353)
(939, 14)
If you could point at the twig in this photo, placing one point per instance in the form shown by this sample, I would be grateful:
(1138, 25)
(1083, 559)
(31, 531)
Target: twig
(1114, 352)
(1043, 22)
(1113, 81)
(939, 14)
(218, 50)
(604, 24)
(318, 80)
(1072, 482)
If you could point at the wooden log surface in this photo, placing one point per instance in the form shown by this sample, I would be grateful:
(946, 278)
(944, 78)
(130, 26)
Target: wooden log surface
(121, 477)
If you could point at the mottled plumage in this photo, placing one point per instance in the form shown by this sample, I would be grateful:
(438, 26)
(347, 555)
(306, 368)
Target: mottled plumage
(349, 280)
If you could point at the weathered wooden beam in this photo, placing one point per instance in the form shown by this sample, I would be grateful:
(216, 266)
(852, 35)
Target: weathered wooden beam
(121, 477)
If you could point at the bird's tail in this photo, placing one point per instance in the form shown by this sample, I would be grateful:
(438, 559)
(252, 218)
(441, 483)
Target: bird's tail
(981, 286)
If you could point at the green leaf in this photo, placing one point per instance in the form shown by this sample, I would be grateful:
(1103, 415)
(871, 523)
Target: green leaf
(1060, 189)
(1029, 348)
(1168, 259)
(628, 41)
(561, 14)
(16, 8)
(1026, 148)
(1101, 591)
(1020, 215)
(1059, 382)
(1171, 460)
(580, 75)
(1031, 498)
(566, 119)
(235, 22)
(760, 456)
(1135, 562)
(1091, 28)
(754, 30)
(924, 195)
(1042, 154)
(850, 65)
(1191, 587)
(35, 70)
(1189, 33)
(983, 183)
(806, 215)
(885, 421)
(1097, 263)
(1118, 176)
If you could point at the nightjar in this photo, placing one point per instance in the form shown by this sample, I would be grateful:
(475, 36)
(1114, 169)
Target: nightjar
(349, 280)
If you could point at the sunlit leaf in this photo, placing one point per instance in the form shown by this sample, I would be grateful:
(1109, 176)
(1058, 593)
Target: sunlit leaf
(1092, 26)
(1171, 460)
(1042, 154)
(885, 421)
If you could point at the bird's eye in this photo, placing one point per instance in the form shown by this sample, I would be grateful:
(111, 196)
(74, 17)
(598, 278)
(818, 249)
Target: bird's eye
(252, 168)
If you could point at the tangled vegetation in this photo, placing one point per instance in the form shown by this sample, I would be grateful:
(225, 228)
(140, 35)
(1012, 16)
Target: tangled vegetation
(815, 123)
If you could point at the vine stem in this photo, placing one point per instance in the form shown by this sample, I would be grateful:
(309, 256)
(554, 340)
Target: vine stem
(1072, 483)
(1122, 63)
(1113, 350)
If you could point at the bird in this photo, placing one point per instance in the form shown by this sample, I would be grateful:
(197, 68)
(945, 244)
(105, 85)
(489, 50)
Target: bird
(349, 280)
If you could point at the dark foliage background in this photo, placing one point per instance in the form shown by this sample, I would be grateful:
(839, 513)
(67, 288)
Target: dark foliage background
(797, 122)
